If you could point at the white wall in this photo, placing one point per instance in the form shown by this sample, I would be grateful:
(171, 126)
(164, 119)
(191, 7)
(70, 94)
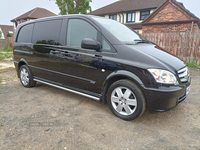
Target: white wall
(152, 10)
(3, 37)
(106, 16)
(137, 17)
(139, 31)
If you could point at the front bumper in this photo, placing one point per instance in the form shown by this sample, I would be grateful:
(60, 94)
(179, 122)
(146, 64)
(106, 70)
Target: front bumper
(166, 97)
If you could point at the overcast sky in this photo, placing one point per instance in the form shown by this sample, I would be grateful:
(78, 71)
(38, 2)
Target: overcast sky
(11, 9)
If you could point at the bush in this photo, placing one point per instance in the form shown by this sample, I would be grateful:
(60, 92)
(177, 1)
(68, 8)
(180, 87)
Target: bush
(9, 35)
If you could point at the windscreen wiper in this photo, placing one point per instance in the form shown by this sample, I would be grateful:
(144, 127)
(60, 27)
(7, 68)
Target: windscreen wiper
(142, 41)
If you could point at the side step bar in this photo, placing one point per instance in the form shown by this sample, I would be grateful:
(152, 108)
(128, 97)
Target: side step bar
(69, 90)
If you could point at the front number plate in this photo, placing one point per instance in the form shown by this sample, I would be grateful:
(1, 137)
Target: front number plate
(187, 90)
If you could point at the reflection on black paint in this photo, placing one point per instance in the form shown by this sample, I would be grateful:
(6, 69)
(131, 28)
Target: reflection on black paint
(26, 47)
(49, 42)
(105, 64)
(54, 53)
(69, 56)
(41, 47)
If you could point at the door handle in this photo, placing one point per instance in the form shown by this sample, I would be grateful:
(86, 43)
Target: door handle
(98, 56)
(55, 52)
(64, 53)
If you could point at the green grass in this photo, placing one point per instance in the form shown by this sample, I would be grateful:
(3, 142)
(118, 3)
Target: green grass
(192, 64)
(7, 50)
(6, 53)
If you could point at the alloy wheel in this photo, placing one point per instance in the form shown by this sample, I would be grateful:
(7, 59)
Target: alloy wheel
(24, 76)
(124, 100)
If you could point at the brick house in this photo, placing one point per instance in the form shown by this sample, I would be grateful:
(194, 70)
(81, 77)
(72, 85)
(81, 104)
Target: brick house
(6, 31)
(171, 16)
(35, 13)
(129, 12)
(175, 29)
(167, 23)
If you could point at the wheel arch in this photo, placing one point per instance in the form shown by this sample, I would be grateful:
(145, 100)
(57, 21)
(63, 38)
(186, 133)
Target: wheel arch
(119, 75)
(21, 63)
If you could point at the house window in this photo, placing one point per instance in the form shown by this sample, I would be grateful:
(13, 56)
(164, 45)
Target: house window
(144, 14)
(114, 17)
(130, 17)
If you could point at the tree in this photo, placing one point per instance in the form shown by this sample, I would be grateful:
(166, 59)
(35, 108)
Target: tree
(73, 6)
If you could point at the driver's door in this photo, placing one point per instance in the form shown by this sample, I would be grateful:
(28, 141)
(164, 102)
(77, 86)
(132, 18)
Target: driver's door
(80, 67)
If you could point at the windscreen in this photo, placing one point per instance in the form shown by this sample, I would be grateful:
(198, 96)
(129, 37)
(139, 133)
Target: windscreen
(120, 31)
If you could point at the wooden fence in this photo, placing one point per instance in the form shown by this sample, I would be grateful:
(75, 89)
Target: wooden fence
(185, 45)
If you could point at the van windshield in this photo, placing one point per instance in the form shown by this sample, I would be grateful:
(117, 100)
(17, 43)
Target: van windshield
(120, 31)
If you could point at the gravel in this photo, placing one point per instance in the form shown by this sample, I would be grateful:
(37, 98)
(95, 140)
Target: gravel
(47, 118)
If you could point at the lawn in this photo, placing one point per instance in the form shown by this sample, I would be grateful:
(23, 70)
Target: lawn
(6, 53)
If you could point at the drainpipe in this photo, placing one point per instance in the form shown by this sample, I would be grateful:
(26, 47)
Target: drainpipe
(15, 23)
(119, 17)
(192, 27)
(122, 17)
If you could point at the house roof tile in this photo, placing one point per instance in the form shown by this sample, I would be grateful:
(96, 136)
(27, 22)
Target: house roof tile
(127, 5)
(5, 29)
(35, 14)
(135, 26)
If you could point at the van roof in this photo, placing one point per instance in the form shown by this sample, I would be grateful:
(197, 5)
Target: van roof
(57, 17)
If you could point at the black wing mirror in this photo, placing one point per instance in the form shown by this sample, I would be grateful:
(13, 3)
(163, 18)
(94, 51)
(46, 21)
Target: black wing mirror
(89, 43)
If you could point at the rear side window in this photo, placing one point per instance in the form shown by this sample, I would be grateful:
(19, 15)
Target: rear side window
(47, 32)
(79, 29)
(25, 34)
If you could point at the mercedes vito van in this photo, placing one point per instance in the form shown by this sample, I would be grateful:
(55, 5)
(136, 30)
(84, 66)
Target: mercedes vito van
(101, 59)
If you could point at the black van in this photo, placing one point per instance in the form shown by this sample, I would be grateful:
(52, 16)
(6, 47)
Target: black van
(101, 59)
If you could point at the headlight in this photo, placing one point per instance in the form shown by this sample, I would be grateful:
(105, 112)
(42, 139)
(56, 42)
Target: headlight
(163, 76)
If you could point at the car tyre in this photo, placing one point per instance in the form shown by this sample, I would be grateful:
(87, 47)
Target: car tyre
(26, 77)
(126, 100)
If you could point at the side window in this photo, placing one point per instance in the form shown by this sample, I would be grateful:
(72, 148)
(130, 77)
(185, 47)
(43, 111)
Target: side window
(47, 32)
(25, 34)
(78, 30)
(106, 45)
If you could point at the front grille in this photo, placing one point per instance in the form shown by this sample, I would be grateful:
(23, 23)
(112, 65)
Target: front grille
(184, 75)
(181, 99)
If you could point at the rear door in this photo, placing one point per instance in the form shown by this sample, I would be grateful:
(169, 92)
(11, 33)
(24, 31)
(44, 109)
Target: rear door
(23, 46)
(45, 62)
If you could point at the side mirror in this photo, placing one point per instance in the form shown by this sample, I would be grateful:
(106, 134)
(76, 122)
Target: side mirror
(89, 43)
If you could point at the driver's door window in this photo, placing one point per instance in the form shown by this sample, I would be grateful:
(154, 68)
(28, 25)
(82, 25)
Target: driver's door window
(79, 29)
